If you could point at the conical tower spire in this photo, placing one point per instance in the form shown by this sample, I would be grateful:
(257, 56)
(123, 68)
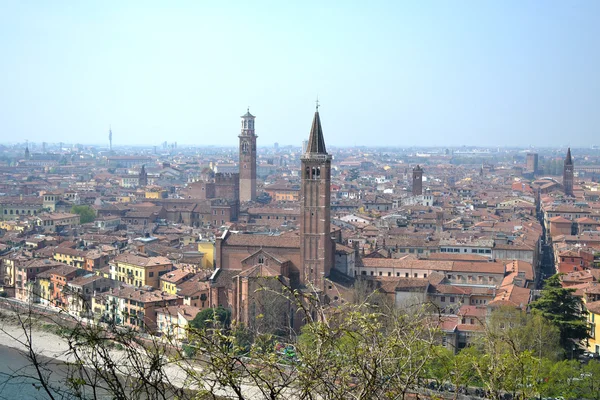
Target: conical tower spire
(568, 160)
(316, 141)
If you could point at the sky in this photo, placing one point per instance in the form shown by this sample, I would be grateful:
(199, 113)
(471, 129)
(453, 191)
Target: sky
(386, 73)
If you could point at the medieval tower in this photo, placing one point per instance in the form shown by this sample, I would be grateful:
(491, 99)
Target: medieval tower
(417, 182)
(315, 242)
(568, 174)
(247, 158)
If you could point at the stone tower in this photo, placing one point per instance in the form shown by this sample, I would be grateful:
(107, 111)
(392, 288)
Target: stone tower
(143, 177)
(568, 174)
(316, 246)
(417, 184)
(247, 158)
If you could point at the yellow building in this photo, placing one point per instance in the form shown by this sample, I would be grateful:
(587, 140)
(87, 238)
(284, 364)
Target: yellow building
(72, 257)
(42, 290)
(208, 249)
(156, 194)
(13, 226)
(593, 343)
(138, 270)
(125, 199)
(170, 280)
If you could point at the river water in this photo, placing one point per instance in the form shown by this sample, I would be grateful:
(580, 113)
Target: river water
(18, 377)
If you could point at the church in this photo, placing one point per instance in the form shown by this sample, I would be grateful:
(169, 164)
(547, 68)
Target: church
(303, 259)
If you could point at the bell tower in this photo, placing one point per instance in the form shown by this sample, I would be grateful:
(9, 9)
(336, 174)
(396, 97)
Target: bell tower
(417, 185)
(316, 247)
(247, 158)
(568, 174)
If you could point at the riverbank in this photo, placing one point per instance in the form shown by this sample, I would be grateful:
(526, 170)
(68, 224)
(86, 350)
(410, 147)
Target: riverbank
(54, 350)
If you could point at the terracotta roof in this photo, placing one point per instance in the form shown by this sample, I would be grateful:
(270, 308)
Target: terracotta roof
(259, 270)
(187, 312)
(593, 307)
(142, 295)
(560, 219)
(241, 239)
(175, 276)
(141, 261)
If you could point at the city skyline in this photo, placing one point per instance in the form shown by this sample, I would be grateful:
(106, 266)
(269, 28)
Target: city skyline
(389, 74)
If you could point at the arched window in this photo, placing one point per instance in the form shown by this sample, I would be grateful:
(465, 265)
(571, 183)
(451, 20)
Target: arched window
(261, 259)
(244, 147)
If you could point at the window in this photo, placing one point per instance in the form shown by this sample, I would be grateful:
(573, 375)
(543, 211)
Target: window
(452, 299)
(443, 299)
(261, 259)
(151, 274)
(424, 275)
(406, 275)
(416, 275)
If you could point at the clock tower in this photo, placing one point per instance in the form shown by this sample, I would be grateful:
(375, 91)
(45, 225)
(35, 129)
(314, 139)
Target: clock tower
(247, 158)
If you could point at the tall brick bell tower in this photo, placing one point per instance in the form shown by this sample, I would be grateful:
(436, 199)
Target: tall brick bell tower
(247, 158)
(315, 242)
(568, 174)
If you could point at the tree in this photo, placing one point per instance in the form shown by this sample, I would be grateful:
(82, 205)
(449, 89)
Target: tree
(565, 311)
(86, 213)
(211, 318)
(528, 332)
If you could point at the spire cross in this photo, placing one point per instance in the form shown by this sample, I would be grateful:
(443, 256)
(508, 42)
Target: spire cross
(317, 103)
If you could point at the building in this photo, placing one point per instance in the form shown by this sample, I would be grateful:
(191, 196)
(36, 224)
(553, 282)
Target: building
(173, 321)
(139, 271)
(532, 163)
(57, 222)
(568, 174)
(304, 260)
(417, 183)
(12, 208)
(316, 247)
(282, 191)
(136, 308)
(143, 177)
(247, 165)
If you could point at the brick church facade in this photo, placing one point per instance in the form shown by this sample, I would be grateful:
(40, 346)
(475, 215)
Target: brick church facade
(302, 260)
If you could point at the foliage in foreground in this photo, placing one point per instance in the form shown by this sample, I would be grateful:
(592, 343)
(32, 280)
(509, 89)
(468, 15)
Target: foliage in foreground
(362, 350)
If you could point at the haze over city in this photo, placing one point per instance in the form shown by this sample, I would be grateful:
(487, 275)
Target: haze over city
(386, 73)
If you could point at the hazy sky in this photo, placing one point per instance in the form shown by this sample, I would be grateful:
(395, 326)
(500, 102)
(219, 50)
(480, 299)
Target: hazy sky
(386, 72)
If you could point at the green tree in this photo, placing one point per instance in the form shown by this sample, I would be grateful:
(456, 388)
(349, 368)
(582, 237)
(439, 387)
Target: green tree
(565, 311)
(86, 213)
(527, 331)
(211, 317)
